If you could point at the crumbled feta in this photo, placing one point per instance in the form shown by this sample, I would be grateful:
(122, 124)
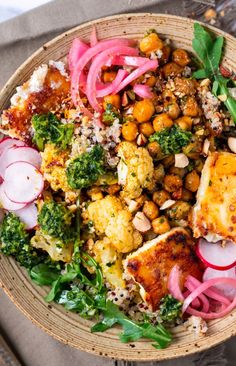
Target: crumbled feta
(60, 66)
(197, 325)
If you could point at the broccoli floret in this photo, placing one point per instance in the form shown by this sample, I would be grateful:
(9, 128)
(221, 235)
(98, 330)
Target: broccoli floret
(110, 114)
(171, 140)
(48, 128)
(15, 241)
(170, 309)
(83, 171)
(56, 220)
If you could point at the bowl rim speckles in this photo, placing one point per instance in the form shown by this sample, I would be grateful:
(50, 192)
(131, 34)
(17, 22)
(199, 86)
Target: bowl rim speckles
(54, 319)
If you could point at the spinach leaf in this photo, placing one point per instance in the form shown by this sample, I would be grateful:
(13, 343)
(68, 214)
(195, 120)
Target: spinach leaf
(209, 50)
(132, 331)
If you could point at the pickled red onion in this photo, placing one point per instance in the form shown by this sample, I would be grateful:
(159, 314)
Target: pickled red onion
(93, 37)
(83, 61)
(205, 286)
(205, 303)
(134, 61)
(108, 89)
(77, 49)
(212, 315)
(143, 91)
(95, 68)
(148, 66)
(173, 283)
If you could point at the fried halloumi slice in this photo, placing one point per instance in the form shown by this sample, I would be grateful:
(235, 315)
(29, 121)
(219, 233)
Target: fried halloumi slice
(45, 91)
(151, 264)
(214, 215)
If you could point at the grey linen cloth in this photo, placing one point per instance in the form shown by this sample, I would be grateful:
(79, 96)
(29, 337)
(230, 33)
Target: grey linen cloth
(19, 37)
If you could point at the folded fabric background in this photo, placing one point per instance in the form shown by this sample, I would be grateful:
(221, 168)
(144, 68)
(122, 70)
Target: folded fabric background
(19, 38)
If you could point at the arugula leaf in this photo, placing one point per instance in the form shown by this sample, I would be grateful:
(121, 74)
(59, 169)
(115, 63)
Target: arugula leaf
(209, 50)
(43, 274)
(132, 331)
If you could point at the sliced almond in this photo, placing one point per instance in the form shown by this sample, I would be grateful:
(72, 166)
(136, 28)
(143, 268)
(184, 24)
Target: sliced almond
(141, 140)
(232, 144)
(206, 146)
(133, 206)
(141, 222)
(167, 204)
(222, 97)
(181, 160)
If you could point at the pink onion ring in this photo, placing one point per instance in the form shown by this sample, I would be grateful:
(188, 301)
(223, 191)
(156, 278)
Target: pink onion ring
(134, 61)
(93, 37)
(108, 89)
(204, 286)
(173, 283)
(77, 49)
(196, 303)
(202, 297)
(95, 68)
(143, 91)
(149, 65)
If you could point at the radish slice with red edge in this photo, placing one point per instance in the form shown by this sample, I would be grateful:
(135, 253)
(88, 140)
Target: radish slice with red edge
(23, 182)
(19, 153)
(8, 142)
(226, 290)
(173, 283)
(28, 215)
(215, 255)
(8, 204)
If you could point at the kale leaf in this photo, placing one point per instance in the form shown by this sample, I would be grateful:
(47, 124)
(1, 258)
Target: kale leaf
(171, 140)
(132, 331)
(84, 170)
(209, 50)
(15, 241)
(56, 220)
(49, 129)
(170, 309)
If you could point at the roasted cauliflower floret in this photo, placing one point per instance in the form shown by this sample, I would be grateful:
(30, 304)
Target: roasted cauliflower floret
(54, 169)
(109, 217)
(52, 246)
(135, 170)
(110, 261)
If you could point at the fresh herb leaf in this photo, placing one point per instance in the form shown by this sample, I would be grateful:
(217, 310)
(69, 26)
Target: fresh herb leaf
(44, 274)
(49, 129)
(209, 50)
(132, 331)
(85, 170)
(171, 140)
(110, 114)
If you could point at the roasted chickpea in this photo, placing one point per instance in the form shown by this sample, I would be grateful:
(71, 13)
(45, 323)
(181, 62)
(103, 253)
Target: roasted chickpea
(179, 211)
(190, 107)
(95, 193)
(178, 171)
(160, 225)
(143, 110)
(172, 182)
(171, 69)
(154, 149)
(113, 189)
(146, 129)
(168, 161)
(129, 131)
(160, 197)
(112, 99)
(159, 173)
(187, 195)
(184, 86)
(181, 57)
(172, 109)
(150, 43)
(162, 121)
(150, 210)
(193, 149)
(109, 76)
(199, 165)
(141, 200)
(184, 122)
(192, 181)
(166, 51)
(168, 96)
(151, 81)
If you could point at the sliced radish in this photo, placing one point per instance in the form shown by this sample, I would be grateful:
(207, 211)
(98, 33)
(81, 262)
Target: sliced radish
(227, 290)
(215, 255)
(19, 153)
(8, 142)
(28, 215)
(23, 182)
(6, 203)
